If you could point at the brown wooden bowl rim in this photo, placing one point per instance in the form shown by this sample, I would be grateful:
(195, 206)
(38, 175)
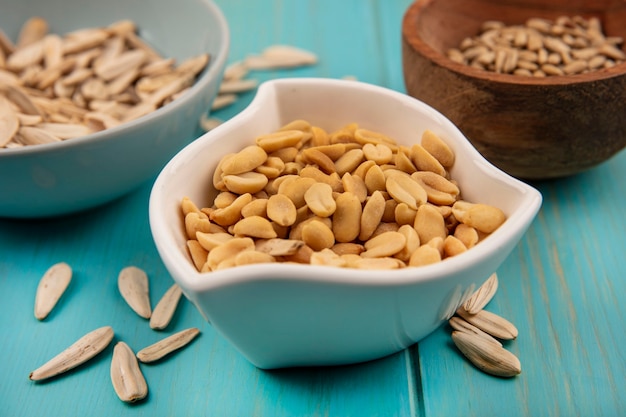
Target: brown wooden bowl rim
(410, 35)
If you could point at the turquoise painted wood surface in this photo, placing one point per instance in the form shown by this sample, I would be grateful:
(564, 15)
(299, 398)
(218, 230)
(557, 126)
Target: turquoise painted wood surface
(563, 286)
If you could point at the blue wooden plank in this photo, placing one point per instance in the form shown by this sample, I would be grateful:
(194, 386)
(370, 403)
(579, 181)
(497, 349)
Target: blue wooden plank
(208, 376)
(562, 287)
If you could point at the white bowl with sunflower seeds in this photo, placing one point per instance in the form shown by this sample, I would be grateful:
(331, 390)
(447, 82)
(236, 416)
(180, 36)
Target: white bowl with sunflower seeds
(88, 108)
(284, 314)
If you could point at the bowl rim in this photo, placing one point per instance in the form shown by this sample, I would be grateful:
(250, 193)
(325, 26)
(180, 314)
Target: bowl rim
(205, 78)
(184, 272)
(414, 41)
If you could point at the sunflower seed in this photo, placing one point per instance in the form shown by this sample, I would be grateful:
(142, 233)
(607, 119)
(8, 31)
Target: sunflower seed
(165, 308)
(128, 381)
(7, 77)
(482, 296)
(223, 100)
(9, 122)
(192, 66)
(83, 39)
(127, 61)
(20, 98)
(160, 67)
(33, 30)
(236, 71)
(97, 121)
(133, 285)
(51, 287)
(139, 110)
(28, 119)
(5, 43)
(490, 323)
(487, 356)
(461, 325)
(78, 353)
(209, 123)
(65, 130)
(238, 86)
(26, 56)
(52, 51)
(166, 346)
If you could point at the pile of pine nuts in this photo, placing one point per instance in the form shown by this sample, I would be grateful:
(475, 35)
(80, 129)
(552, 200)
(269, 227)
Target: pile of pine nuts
(349, 198)
(540, 47)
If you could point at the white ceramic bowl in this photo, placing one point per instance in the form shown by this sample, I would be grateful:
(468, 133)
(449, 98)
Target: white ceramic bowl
(60, 178)
(280, 315)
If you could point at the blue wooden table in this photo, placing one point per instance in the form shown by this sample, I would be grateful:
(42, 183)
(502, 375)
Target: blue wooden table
(563, 286)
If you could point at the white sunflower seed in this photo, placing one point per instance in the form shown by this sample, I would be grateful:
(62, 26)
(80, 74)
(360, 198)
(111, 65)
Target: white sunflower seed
(482, 296)
(26, 56)
(166, 346)
(78, 353)
(165, 308)
(192, 66)
(52, 51)
(490, 323)
(9, 122)
(97, 121)
(127, 61)
(35, 136)
(159, 67)
(19, 97)
(65, 130)
(209, 123)
(223, 100)
(461, 325)
(238, 86)
(33, 30)
(51, 287)
(83, 39)
(236, 71)
(5, 43)
(487, 356)
(134, 287)
(128, 381)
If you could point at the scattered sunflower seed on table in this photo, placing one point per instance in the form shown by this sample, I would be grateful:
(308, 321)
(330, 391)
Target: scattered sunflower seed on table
(51, 287)
(165, 308)
(134, 287)
(78, 353)
(476, 334)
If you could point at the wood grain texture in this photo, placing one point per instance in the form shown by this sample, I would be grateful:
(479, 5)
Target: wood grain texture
(533, 128)
(562, 286)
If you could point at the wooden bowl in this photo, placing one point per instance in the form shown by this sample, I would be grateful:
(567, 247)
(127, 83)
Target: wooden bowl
(530, 127)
